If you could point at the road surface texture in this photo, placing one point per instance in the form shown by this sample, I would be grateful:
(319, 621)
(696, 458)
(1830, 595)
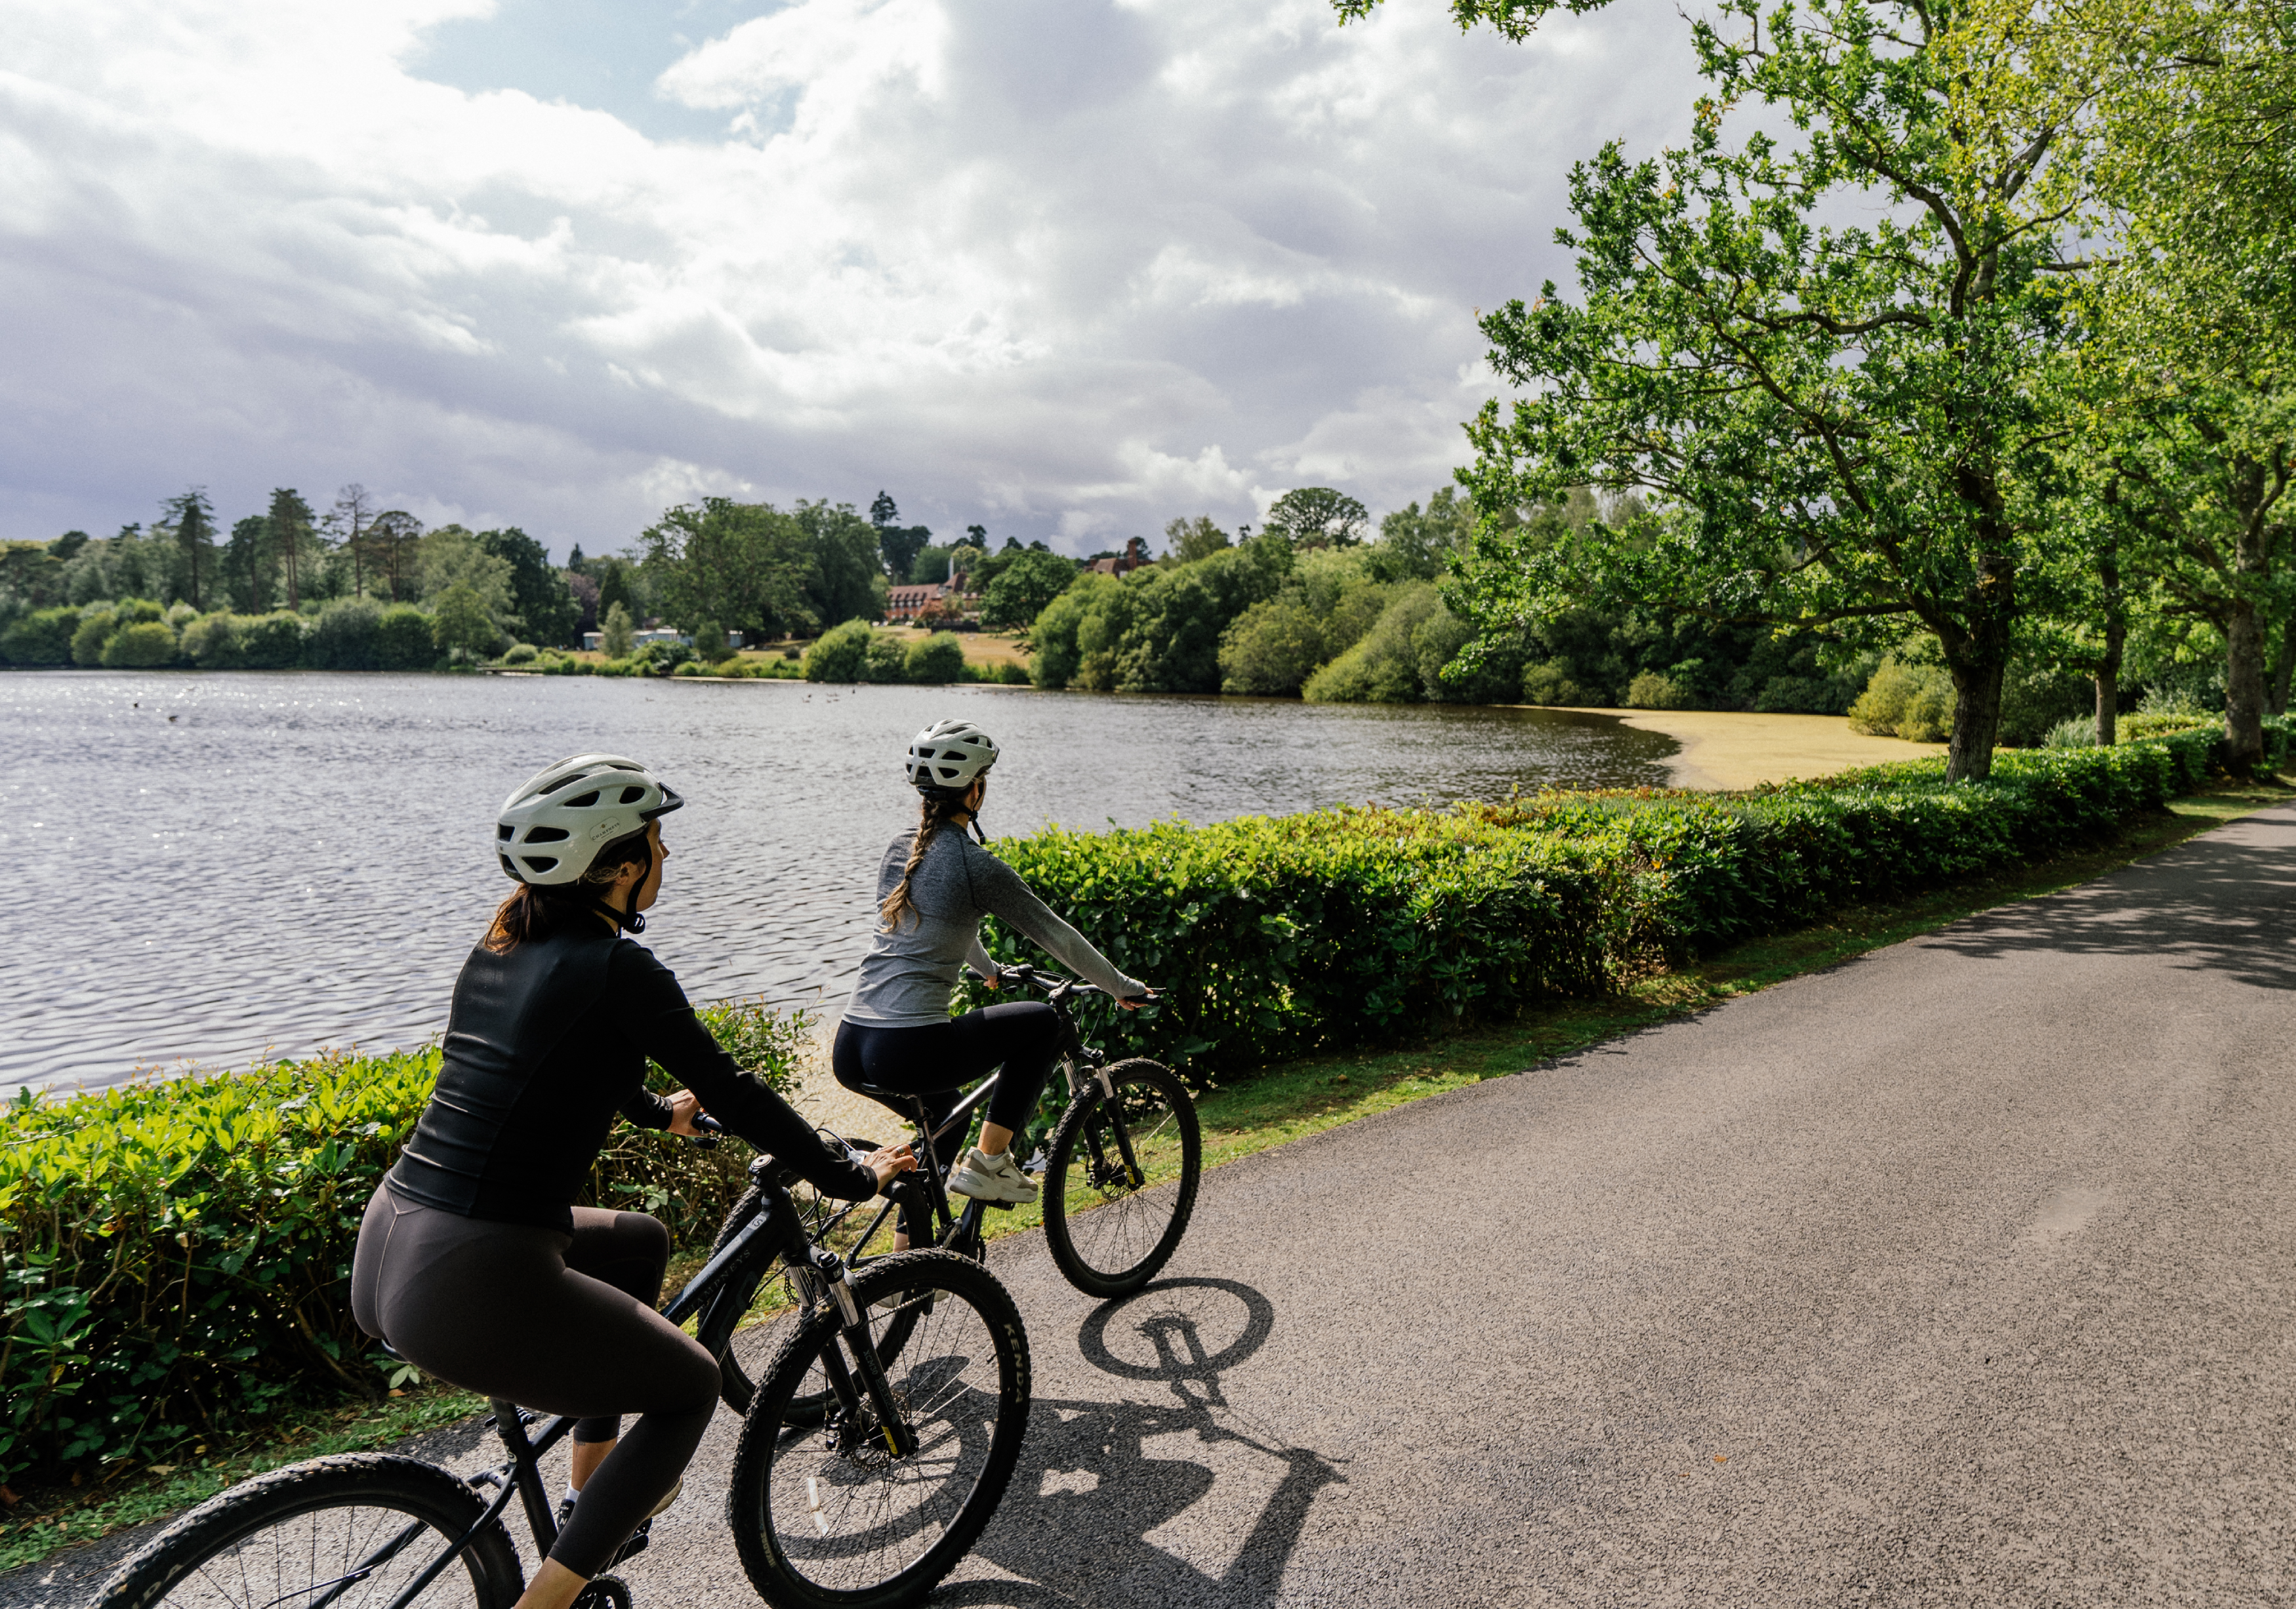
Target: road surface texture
(1958, 1274)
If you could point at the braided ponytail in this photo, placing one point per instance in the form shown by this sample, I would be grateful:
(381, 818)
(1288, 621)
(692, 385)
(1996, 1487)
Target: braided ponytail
(934, 815)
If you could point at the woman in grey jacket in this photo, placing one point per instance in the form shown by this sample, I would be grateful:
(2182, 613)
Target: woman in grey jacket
(933, 888)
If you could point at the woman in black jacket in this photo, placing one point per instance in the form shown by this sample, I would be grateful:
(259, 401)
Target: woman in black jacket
(472, 1263)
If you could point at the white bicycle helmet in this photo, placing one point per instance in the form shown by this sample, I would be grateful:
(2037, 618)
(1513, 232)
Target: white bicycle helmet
(947, 756)
(560, 820)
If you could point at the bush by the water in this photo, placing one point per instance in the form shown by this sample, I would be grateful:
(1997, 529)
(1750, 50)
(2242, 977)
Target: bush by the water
(857, 652)
(174, 1256)
(1909, 697)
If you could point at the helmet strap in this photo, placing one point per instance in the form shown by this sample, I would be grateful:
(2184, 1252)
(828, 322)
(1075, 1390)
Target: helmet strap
(630, 921)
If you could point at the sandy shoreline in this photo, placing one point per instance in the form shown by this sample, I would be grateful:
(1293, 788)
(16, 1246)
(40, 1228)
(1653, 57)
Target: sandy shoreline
(1728, 749)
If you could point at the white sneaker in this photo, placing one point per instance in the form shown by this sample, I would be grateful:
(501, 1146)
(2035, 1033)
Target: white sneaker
(992, 1178)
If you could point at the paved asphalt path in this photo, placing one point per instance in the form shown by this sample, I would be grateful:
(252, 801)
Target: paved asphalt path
(1958, 1274)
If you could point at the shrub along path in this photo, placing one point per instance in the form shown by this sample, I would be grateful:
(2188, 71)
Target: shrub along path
(1284, 1104)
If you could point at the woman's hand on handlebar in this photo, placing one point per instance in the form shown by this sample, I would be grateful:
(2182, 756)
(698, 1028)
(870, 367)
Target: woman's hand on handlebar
(890, 1163)
(1136, 1001)
(684, 1106)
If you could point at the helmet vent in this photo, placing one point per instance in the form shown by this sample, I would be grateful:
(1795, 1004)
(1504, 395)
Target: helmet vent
(631, 795)
(502, 829)
(548, 835)
(582, 802)
(539, 863)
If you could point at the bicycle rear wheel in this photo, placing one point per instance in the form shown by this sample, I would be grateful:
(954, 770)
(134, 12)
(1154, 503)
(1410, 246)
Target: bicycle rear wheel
(1111, 1227)
(351, 1532)
(831, 1516)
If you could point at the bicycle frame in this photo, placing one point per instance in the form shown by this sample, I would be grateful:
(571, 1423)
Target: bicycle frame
(720, 1298)
(1082, 1063)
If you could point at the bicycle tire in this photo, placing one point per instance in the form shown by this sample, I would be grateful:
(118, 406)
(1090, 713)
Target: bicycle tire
(1107, 1256)
(186, 1564)
(749, 1351)
(779, 1469)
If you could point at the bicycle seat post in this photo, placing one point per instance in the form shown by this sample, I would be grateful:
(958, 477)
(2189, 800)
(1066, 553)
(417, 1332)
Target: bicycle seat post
(527, 1472)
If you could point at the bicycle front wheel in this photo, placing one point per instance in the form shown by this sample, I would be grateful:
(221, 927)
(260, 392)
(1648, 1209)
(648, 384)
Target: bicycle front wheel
(1121, 1179)
(832, 1515)
(351, 1532)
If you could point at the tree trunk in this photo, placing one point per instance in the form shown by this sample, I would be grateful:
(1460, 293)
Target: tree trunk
(2116, 640)
(2283, 666)
(1977, 652)
(2244, 688)
(1976, 716)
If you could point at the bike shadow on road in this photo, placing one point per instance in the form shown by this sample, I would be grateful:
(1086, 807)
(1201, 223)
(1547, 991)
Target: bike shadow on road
(2210, 905)
(1167, 1493)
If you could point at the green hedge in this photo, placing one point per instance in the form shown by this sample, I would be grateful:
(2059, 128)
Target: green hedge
(1275, 937)
(174, 1256)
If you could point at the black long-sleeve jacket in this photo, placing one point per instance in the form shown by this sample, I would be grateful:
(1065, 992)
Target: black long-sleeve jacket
(545, 1044)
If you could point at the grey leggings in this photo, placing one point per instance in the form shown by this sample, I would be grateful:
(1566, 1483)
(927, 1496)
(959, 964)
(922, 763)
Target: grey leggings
(563, 1323)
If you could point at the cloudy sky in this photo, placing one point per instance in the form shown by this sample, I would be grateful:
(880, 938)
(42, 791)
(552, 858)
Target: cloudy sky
(1066, 268)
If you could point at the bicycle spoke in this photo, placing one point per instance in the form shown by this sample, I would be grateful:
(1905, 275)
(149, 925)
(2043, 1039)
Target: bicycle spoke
(847, 1515)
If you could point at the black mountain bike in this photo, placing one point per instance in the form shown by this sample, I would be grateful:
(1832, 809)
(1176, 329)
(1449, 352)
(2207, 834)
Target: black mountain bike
(1119, 1175)
(901, 1462)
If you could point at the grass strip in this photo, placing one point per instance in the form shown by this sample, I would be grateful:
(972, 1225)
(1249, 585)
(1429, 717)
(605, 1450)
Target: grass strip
(1255, 1113)
(69, 1516)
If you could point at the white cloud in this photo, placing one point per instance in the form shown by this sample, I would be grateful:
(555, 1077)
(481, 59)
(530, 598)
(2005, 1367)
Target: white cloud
(1059, 266)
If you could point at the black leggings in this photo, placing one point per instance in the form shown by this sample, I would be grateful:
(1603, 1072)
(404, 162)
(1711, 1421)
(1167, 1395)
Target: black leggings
(558, 1322)
(937, 1059)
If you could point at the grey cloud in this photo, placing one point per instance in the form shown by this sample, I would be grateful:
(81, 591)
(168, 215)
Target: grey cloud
(1110, 265)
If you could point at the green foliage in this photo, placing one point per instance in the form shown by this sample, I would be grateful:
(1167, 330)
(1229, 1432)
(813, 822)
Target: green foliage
(211, 642)
(403, 639)
(144, 645)
(1909, 701)
(1189, 540)
(175, 1256)
(1275, 937)
(541, 607)
(1023, 587)
(272, 642)
(347, 635)
(42, 637)
(1733, 349)
(618, 634)
(840, 655)
(1316, 516)
(1652, 691)
(1273, 647)
(936, 660)
(95, 629)
(709, 644)
(460, 618)
(1157, 630)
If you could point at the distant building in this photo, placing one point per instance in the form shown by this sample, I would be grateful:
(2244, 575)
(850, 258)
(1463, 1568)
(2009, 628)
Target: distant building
(1135, 556)
(905, 603)
(595, 642)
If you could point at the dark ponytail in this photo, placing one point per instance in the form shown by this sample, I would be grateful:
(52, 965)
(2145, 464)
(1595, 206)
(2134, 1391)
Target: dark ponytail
(535, 911)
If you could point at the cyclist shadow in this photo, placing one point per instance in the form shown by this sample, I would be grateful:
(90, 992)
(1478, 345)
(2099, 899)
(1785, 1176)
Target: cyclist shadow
(1093, 1515)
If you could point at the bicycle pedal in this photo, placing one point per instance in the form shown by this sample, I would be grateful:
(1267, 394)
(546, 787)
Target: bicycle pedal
(639, 1541)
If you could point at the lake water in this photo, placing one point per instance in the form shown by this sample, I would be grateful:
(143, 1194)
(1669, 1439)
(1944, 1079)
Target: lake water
(215, 868)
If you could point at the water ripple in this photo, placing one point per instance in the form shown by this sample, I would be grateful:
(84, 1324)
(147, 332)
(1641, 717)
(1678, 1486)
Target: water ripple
(218, 867)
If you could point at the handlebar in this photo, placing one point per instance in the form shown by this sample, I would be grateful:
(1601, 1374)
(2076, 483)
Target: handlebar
(1061, 988)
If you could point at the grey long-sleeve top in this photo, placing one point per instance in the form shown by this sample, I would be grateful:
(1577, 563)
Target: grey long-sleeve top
(908, 974)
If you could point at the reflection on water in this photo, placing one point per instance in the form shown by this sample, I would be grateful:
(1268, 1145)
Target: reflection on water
(213, 866)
